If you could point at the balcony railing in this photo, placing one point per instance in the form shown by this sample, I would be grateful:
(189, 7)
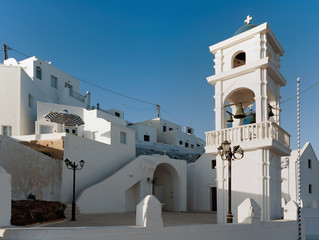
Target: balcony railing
(78, 96)
(248, 133)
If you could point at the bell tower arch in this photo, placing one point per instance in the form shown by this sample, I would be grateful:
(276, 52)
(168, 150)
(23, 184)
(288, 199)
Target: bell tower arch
(247, 85)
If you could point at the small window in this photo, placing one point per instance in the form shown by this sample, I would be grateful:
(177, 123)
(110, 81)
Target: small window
(70, 87)
(170, 129)
(54, 82)
(192, 145)
(186, 144)
(67, 130)
(117, 114)
(310, 188)
(309, 163)
(213, 164)
(123, 137)
(189, 131)
(146, 138)
(239, 60)
(7, 130)
(164, 128)
(38, 73)
(180, 142)
(30, 101)
(197, 145)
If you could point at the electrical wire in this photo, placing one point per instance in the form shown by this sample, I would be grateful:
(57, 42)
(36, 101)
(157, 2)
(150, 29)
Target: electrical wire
(9, 48)
(307, 89)
(141, 110)
(117, 93)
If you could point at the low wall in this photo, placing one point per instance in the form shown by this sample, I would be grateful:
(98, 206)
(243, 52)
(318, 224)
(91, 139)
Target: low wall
(283, 230)
(5, 198)
(31, 171)
(311, 218)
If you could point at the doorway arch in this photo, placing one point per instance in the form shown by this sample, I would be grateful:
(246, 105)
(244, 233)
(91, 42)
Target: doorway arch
(166, 186)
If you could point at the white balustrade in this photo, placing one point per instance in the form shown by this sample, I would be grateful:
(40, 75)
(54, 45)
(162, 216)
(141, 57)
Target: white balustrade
(247, 133)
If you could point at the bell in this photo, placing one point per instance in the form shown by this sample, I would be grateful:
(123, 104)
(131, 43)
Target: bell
(239, 112)
(230, 118)
(253, 119)
(270, 113)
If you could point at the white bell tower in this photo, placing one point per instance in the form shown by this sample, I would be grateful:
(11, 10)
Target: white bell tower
(247, 74)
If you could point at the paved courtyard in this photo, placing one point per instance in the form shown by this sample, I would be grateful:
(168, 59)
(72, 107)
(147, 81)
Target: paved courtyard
(128, 219)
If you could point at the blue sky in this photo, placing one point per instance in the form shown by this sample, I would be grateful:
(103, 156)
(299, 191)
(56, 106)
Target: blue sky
(157, 51)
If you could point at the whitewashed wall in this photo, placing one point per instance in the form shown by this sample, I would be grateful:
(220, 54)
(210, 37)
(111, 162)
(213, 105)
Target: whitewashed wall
(31, 171)
(141, 130)
(101, 160)
(5, 198)
(310, 201)
(19, 81)
(117, 193)
(283, 230)
(9, 98)
(200, 179)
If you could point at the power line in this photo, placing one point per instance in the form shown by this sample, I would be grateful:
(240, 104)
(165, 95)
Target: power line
(117, 93)
(141, 110)
(307, 89)
(9, 48)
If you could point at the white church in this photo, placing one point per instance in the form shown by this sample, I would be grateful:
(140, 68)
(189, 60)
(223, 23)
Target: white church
(247, 81)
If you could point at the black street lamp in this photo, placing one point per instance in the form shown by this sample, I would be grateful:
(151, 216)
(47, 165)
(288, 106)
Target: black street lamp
(224, 150)
(74, 167)
(153, 181)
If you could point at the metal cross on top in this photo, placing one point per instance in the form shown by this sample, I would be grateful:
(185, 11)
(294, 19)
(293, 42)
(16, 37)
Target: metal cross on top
(248, 19)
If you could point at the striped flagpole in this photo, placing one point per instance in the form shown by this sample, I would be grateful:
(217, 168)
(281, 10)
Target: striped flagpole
(298, 160)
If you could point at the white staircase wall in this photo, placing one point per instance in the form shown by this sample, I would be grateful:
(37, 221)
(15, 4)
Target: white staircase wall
(123, 190)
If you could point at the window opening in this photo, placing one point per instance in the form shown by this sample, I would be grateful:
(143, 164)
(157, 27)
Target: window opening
(54, 82)
(38, 73)
(309, 163)
(7, 130)
(30, 101)
(213, 164)
(123, 138)
(239, 60)
(146, 138)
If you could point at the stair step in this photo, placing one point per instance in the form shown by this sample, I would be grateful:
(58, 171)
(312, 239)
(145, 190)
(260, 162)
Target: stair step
(68, 210)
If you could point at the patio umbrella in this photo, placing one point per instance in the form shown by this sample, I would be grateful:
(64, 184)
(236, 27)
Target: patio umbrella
(64, 117)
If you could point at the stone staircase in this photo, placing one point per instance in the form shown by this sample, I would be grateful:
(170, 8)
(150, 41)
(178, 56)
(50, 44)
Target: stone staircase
(68, 210)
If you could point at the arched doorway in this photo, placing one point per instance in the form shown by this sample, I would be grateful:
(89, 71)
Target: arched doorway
(166, 186)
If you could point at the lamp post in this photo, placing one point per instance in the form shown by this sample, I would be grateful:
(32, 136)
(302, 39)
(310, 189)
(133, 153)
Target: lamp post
(73, 166)
(153, 181)
(226, 153)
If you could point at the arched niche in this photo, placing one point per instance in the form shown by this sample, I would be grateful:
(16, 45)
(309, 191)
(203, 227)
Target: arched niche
(239, 59)
(240, 96)
(166, 186)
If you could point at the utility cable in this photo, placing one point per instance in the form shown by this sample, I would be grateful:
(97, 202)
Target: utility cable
(9, 48)
(299, 93)
(117, 93)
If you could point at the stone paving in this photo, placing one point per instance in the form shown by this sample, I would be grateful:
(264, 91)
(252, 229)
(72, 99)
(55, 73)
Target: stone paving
(128, 219)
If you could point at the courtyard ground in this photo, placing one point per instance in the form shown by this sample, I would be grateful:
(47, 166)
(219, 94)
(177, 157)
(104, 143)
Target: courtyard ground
(128, 219)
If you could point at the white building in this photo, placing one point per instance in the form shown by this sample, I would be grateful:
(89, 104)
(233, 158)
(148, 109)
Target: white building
(309, 189)
(247, 71)
(163, 131)
(201, 184)
(27, 82)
